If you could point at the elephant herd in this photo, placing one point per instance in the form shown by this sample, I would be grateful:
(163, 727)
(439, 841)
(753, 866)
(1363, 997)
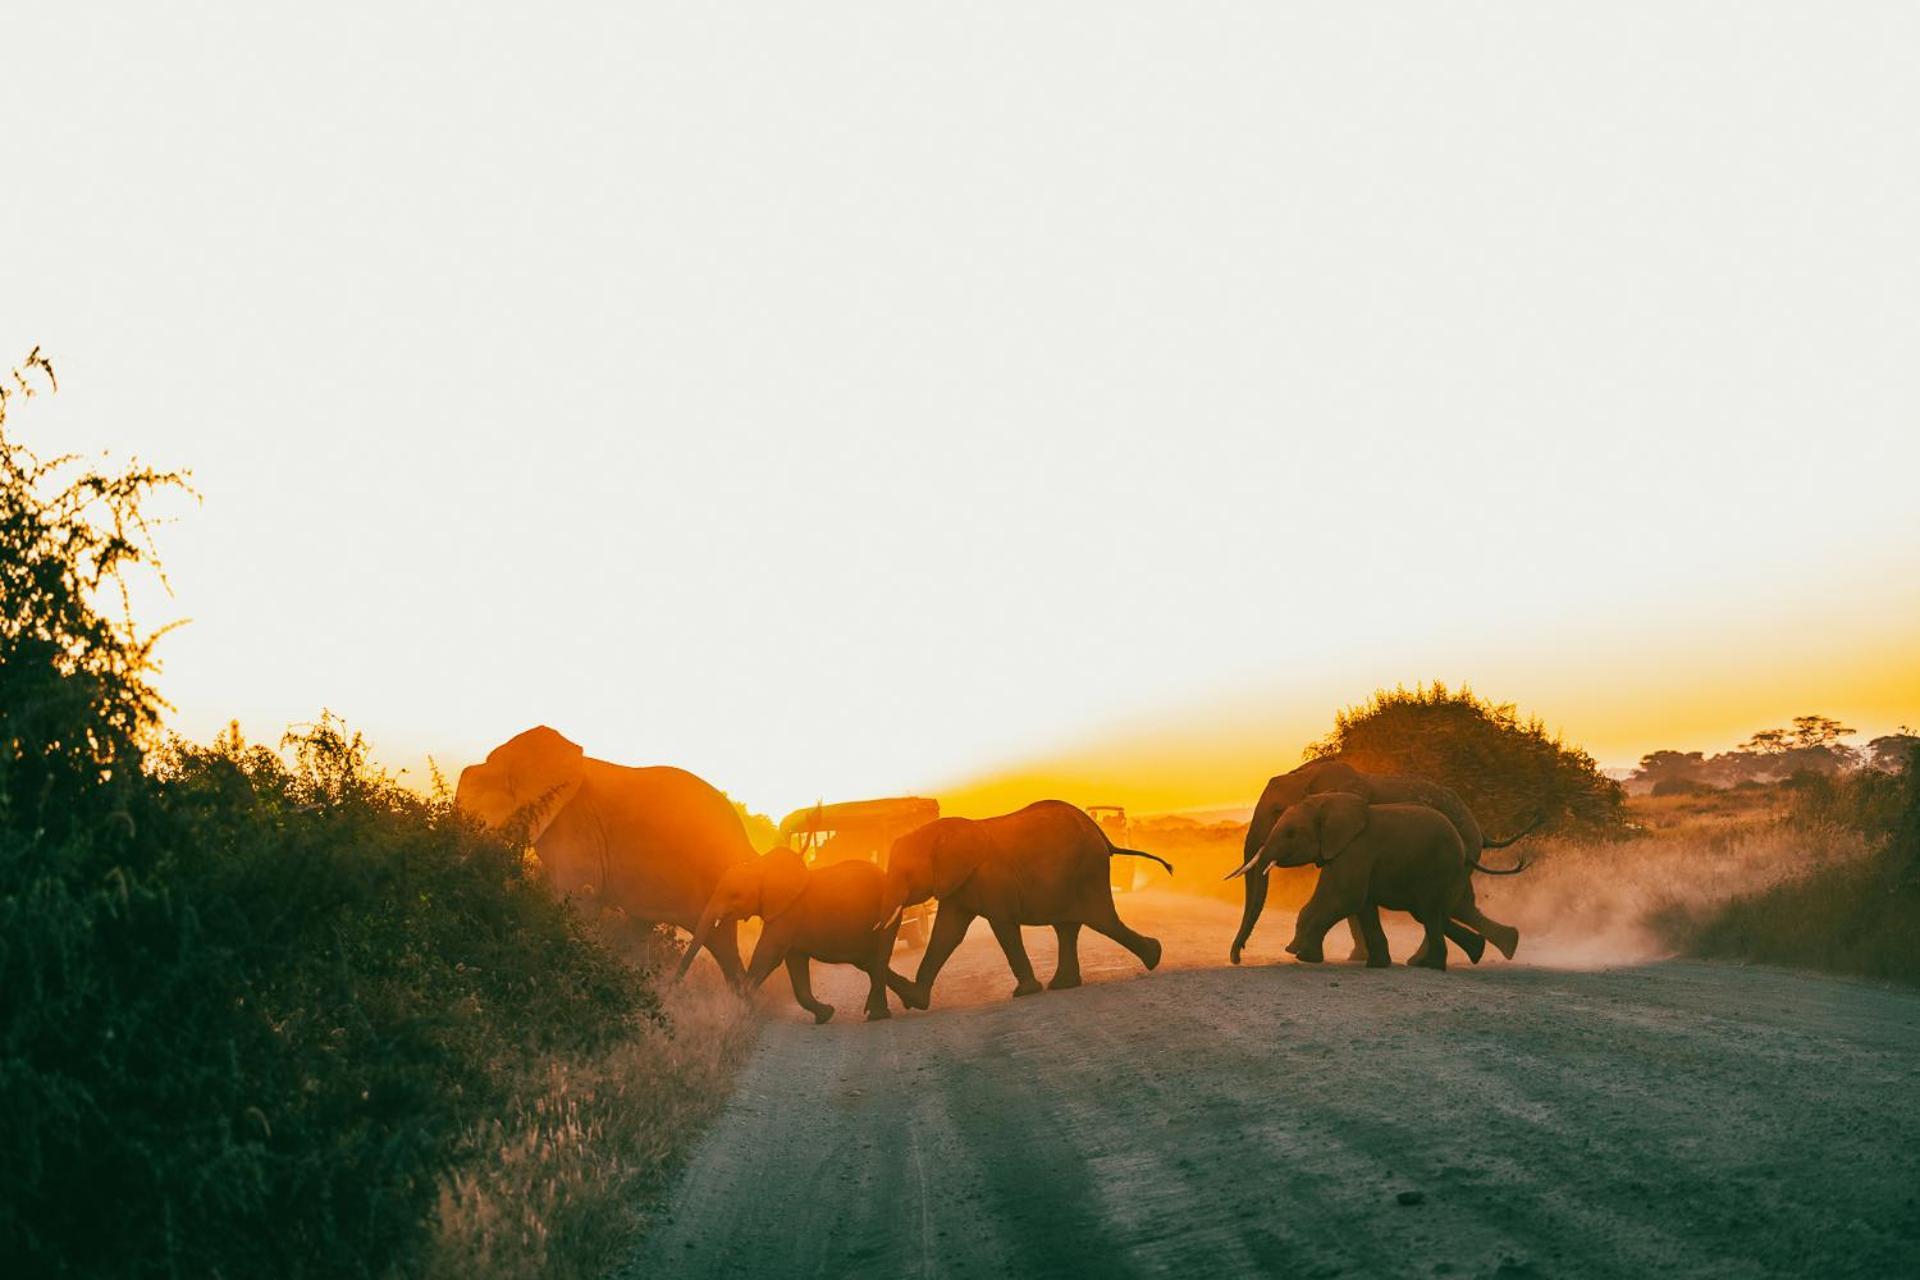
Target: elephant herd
(662, 846)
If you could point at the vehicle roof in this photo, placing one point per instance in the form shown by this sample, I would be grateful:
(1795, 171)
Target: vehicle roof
(898, 811)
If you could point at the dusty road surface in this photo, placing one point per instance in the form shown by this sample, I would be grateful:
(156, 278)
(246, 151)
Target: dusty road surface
(1282, 1119)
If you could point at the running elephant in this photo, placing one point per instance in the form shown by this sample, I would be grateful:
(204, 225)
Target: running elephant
(1044, 865)
(651, 842)
(1405, 857)
(1322, 777)
(822, 913)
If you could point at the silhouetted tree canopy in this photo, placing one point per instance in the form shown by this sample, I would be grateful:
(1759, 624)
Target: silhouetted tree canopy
(1506, 768)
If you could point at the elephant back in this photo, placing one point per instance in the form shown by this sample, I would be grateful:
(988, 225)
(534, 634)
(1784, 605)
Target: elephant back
(652, 841)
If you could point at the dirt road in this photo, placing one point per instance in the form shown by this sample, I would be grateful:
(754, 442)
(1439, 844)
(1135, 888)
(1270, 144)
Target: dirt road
(1672, 1119)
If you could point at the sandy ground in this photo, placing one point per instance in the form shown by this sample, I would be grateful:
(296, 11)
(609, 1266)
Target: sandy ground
(1505, 1120)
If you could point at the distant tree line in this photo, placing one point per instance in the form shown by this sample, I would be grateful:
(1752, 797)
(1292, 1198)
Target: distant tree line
(1812, 747)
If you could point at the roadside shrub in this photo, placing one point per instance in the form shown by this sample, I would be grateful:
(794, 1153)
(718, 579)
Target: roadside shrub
(1855, 917)
(1507, 769)
(253, 1011)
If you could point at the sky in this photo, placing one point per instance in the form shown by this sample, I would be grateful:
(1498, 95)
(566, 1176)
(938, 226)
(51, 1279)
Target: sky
(990, 402)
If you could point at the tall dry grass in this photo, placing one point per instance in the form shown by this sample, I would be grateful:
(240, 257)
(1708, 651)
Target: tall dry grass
(560, 1185)
(1616, 902)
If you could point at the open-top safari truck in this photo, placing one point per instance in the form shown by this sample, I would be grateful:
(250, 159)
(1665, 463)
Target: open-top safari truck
(1124, 874)
(863, 829)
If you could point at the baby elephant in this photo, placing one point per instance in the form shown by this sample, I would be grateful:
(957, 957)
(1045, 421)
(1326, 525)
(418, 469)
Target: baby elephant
(1405, 857)
(825, 914)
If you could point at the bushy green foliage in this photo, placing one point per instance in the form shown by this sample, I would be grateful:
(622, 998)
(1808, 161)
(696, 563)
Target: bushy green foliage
(1507, 769)
(248, 1007)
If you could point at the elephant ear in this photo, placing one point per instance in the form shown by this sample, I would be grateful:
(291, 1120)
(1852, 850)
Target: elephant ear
(542, 770)
(1337, 777)
(1341, 819)
(783, 879)
(958, 852)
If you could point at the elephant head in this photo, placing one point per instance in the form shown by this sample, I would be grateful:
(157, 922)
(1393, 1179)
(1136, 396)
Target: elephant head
(766, 886)
(1316, 777)
(929, 862)
(1311, 833)
(526, 780)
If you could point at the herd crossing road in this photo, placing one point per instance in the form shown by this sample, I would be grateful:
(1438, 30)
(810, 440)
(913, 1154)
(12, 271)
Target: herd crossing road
(1285, 1119)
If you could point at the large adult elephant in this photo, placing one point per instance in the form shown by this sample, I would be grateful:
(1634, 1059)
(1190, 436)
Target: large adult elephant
(1323, 777)
(653, 842)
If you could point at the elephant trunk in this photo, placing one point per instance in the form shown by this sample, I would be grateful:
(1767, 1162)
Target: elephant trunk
(709, 920)
(1254, 877)
(893, 903)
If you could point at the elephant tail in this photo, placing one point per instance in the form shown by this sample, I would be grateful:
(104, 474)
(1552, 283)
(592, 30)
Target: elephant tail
(1538, 817)
(1116, 850)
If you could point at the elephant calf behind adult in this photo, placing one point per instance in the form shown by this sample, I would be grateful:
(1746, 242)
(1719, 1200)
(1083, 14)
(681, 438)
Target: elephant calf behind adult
(1405, 857)
(811, 913)
(652, 842)
(1329, 777)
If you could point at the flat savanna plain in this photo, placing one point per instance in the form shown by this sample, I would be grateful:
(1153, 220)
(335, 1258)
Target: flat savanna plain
(1506, 1120)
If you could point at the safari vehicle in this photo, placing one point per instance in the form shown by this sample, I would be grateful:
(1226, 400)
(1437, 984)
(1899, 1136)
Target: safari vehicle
(863, 830)
(1124, 874)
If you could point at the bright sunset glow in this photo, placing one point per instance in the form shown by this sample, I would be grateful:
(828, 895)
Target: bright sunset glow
(1087, 404)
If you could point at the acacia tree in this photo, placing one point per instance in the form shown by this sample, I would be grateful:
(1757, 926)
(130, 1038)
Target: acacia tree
(1508, 769)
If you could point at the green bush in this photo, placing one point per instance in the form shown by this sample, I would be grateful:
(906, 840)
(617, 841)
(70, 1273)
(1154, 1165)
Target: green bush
(1508, 770)
(248, 1007)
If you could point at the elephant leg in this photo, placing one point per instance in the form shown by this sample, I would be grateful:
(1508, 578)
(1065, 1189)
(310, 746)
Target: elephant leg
(902, 987)
(1433, 951)
(766, 956)
(1471, 944)
(877, 975)
(1503, 936)
(1147, 949)
(949, 927)
(1310, 929)
(1256, 883)
(1067, 972)
(1357, 930)
(1367, 925)
(1007, 933)
(723, 944)
(800, 970)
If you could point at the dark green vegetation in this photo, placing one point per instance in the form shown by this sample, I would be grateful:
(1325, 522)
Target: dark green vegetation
(1508, 770)
(1855, 917)
(251, 1010)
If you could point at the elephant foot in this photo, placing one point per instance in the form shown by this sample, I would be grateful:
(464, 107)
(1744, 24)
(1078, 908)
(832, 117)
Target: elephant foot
(1064, 982)
(1508, 943)
(823, 1015)
(1151, 952)
(1477, 949)
(1378, 962)
(879, 1015)
(1308, 955)
(1031, 987)
(914, 997)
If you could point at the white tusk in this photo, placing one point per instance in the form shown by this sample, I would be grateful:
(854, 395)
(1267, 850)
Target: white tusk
(890, 921)
(1243, 868)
